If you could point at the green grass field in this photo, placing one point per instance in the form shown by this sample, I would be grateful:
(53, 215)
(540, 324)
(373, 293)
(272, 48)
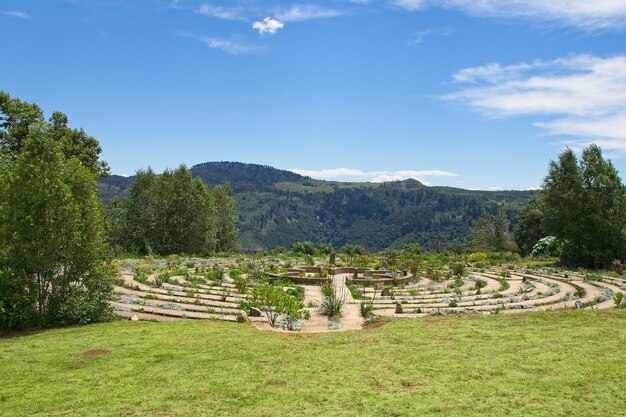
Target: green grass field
(564, 363)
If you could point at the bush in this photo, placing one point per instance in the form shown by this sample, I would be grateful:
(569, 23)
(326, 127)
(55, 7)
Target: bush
(457, 268)
(478, 257)
(333, 304)
(367, 309)
(618, 299)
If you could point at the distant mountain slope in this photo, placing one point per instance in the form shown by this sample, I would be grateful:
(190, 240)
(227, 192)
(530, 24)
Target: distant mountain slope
(278, 207)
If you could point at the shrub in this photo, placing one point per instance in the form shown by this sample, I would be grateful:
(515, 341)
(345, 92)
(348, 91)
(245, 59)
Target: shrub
(367, 309)
(478, 257)
(618, 298)
(458, 268)
(333, 304)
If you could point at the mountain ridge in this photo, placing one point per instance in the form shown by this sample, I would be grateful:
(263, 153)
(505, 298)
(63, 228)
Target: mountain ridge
(278, 207)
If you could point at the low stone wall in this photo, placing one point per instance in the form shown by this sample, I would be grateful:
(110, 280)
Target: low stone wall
(298, 280)
(377, 279)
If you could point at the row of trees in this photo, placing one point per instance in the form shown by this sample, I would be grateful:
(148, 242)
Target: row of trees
(173, 213)
(582, 204)
(53, 247)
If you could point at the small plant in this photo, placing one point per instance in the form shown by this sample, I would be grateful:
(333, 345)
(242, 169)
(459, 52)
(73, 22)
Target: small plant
(479, 283)
(457, 268)
(618, 299)
(367, 309)
(453, 304)
(333, 304)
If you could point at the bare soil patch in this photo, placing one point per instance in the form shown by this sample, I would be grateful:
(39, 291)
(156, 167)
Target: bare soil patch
(93, 353)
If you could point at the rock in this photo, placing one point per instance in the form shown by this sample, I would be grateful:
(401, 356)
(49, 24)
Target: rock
(508, 274)
(242, 317)
(399, 308)
(334, 325)
(134, 318)
(255, 312)
(579, 305)
(385, 292)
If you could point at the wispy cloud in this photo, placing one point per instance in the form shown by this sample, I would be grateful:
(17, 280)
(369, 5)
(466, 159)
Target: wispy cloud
(409, 4)
(220, 12)
(590, 15)
(421, 36)
(230, 46)
(268, 25)
(302, 12)
(424, 176)
(582, 96)
(16, 13)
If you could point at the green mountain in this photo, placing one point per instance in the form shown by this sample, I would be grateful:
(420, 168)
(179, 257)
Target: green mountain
(278, 207)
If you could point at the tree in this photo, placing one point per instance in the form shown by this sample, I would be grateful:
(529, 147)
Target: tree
(584, 205)
(529, 228)
(226, 224)
(18, 118)
(274, 302)
(53, 231)
(351, 251)
(411, 256)
(491, 233)
(173, 213)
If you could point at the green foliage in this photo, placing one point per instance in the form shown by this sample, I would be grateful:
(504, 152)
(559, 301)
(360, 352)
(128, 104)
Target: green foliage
(618, 298)
(584, 205)
(352, 252)
(458, 269)
(367, 309)
(303, 248)
(332, 305)
(173, 213)
(375, 216)
(491, 233)
(276, 302)
(529, 228)
(53, 248)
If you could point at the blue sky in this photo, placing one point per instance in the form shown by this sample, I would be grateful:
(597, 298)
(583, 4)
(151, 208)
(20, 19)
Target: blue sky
(476, 94)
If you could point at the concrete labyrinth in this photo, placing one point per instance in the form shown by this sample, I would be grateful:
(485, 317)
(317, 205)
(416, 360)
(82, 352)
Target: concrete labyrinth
(216, 290)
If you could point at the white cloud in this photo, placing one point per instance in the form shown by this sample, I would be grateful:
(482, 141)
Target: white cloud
(219, 12)
(268, 25)
(424, 176)
(409, 4)
(421, 36)
(229, 46)
(15, 13)
(585, 14)
(583, 96)
(302, 12)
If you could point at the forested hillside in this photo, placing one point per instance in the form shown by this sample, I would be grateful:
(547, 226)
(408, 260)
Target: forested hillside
(278, 207)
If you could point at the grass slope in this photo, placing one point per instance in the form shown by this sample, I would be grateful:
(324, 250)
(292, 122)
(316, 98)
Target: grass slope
(565, 363)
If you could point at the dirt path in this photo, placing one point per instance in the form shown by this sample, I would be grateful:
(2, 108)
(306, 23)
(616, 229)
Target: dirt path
(351, 318)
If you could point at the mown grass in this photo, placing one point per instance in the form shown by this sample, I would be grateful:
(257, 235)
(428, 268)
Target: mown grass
(564, 363)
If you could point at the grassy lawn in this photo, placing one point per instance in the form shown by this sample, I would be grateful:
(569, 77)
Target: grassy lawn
(565, 363)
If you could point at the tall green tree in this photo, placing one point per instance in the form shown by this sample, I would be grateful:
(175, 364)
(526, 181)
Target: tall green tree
(492, 233)
(529, 227)
(173, 213)
(226, 223)
(584, 205)
(53, 234)
(18, 119)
